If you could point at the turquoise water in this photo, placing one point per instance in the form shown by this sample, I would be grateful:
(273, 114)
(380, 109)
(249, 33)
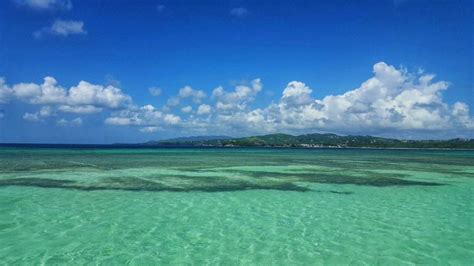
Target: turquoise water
(236, 206)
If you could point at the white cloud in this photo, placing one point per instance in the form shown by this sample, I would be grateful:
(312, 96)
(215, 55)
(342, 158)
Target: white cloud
(86, 93)
(239, 12)
(461, 112)
(5, 91)
(26, 90)
(46, 4)
(45, 111)
(119, 121)
(154, 91)
(218, 92)
(297, 93)
(149, 129)
(186, 92)
(82, 109)
(83, 98)
(393, 101)
(50, 93)
(173, 101)
(187, 109)
(67, 27)
(196, 95)
(172, 119)
(62, 28)
(237, 99)
(224, 106)
(69, 123)
(32, 117)
(204, 109)
(145, 116)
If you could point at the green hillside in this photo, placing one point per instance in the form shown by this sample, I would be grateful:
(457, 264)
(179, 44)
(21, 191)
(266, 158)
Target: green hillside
(320, 141)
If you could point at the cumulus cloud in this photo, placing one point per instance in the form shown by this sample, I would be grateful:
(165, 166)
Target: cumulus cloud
(120, 121)
(5, 91)
(44, 112)
(393, 101)
(86, 93)
(32, 117)
(84, 98)
(172, 119)
(46, 4)
(296, 93)
(82, 109)
(69, 123)
(196, 95)
(237, 99)
(187, 92)
(204, 109)
(239, 12)
(62, 28)
(145, 116)
(187, 109)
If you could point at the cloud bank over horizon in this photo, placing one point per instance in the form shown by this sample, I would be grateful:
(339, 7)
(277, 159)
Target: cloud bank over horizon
(393, 102)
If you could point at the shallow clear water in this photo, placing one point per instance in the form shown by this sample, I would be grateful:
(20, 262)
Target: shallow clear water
(236, 206)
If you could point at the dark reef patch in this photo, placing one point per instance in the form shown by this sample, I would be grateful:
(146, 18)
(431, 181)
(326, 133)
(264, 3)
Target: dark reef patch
(335, 192)
(136, 184)
(35, 182)
(341, 192)
(330, 177)
(375, 181)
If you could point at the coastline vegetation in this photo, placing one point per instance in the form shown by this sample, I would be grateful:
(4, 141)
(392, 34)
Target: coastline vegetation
(315, 141)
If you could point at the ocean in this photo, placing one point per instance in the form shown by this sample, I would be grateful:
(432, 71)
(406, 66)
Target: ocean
(235, 206)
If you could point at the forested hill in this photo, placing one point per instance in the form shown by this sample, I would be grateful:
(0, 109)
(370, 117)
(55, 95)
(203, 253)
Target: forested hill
(316, 141)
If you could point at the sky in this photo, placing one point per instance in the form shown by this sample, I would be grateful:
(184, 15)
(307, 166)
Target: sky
(131, 71)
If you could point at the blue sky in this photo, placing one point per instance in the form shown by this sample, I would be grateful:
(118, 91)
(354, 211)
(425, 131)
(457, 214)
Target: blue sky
(251, 67)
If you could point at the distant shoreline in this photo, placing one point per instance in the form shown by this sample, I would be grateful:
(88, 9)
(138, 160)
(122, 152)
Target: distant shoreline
(279, 141)
(142, 146)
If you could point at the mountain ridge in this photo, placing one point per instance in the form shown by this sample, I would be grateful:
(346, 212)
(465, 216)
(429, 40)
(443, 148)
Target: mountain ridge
(314, 140)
